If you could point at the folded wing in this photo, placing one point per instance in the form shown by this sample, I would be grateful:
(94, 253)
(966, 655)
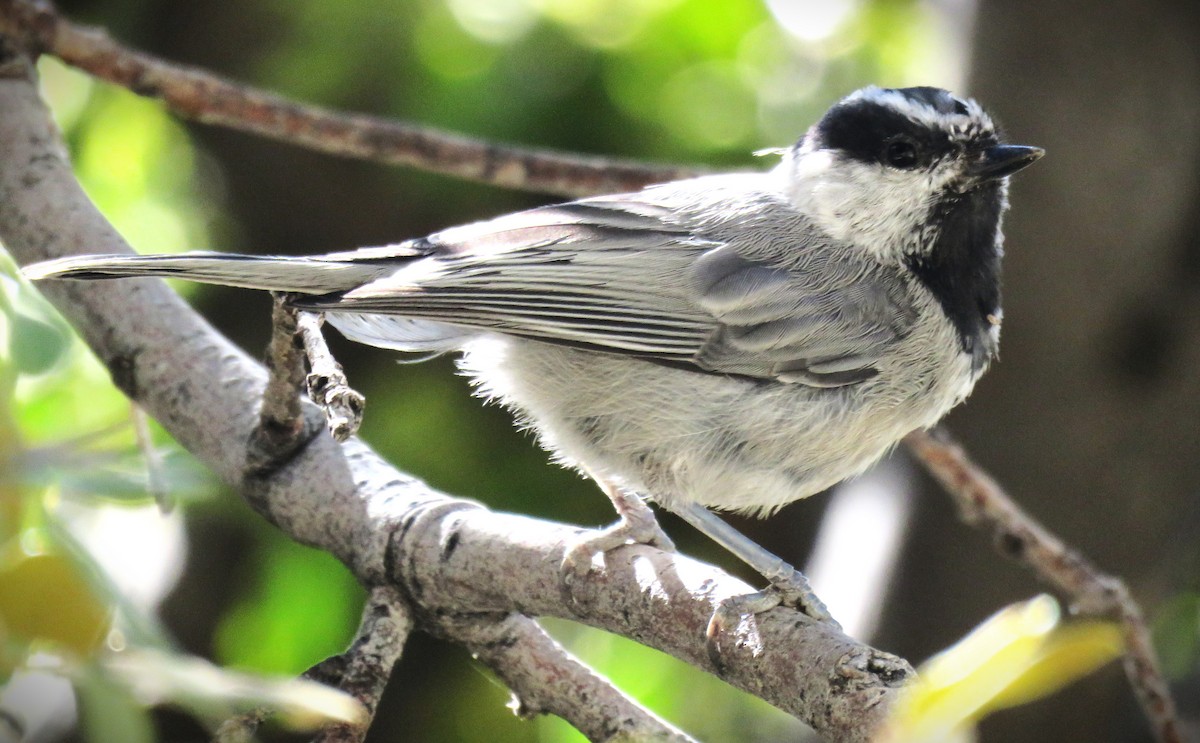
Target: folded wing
(652, 277)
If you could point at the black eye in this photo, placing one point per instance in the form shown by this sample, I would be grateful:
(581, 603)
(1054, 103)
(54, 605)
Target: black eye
(901, 153)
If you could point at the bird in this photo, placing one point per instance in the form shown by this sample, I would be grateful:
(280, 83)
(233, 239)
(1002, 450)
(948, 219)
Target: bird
(730, 342)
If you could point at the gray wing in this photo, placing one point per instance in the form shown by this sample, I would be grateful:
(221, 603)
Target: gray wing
(652, 275)
(824, 324)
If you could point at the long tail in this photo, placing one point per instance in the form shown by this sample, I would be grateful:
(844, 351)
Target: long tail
(317, 275)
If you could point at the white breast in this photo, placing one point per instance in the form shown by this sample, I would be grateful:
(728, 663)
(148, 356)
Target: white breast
(680, 436)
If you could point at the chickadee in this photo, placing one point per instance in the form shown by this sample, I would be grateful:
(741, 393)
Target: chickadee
(731, 342)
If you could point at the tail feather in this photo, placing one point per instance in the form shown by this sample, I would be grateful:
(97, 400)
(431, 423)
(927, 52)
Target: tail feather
(318, 275)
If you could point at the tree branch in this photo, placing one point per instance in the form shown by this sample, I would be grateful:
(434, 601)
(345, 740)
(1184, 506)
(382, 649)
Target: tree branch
(984, 504)
(363, 670)
(209, 99)
(443, 555)
(546, 679)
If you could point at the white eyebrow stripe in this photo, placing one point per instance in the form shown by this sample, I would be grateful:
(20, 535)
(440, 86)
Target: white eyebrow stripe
(975, 120)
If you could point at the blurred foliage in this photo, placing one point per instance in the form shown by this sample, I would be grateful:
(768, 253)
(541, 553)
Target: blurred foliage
(699, 703)
(706, 81)
(278, 627)
(1020, 654)
(1177, 636)
(670, 79)
(70, 457)
(44, 598)
(136, 163)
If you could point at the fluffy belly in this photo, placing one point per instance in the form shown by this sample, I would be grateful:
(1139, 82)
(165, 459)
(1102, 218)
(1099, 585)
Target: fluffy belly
(682, 437)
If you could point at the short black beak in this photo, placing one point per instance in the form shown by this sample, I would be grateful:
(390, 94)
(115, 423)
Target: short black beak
(1002, 160)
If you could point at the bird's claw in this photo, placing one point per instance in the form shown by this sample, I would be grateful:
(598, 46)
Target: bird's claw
(635, 527)
(791, 591)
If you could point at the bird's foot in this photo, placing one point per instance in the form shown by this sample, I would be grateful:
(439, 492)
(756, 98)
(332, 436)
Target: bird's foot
(637, 526)
(790, 590)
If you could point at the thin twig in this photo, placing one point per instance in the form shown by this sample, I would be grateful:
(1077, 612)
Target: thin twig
(983, 503)
(546, 679)
(296, 344)
(156, 480)
(364, 669)
(326, 382)
(201, 96)
(281, 420)
(241, 728)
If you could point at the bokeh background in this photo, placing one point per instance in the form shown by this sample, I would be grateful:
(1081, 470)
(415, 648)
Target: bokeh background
(1092, 418)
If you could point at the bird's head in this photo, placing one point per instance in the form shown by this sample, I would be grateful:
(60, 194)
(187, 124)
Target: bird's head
(885, 168)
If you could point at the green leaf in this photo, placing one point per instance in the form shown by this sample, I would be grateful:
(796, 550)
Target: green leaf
(212, 694)
(108, 711)
(35, 346)
(45, 597)
(1069, 653)
(37, 336)
(1016, 656)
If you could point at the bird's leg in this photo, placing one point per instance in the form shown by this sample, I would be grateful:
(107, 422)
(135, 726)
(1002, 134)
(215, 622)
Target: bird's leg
(788, 586)
(637, 525)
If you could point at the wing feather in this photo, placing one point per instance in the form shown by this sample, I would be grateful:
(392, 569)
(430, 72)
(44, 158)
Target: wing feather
(761, 294)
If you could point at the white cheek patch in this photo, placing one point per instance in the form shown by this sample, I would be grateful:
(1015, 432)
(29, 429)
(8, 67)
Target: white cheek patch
(812, 164)
(812, 187)
(876, 208)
